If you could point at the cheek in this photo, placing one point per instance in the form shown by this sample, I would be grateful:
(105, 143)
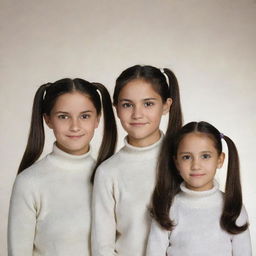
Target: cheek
(123, 115)
(183, 168)
(154, 118)
(156, 115)
(58, 128)
(92, 125)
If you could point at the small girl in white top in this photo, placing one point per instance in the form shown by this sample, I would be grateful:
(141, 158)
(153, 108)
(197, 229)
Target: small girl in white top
(124, 183)
(192, 217)
(50, 208)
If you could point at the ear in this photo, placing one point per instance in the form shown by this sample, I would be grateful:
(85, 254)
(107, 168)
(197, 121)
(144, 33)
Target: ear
(47, 120)
(167, 106)
(221, 160)
(117, 112)
(97, 121)
(175, 162)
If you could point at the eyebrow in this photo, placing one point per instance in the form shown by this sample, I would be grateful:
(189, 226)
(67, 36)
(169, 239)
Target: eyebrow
(206, 151)
(181, 153)
(146, 99)
(64, 112)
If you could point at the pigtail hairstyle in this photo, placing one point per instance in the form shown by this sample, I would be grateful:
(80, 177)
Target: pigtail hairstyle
(169, 180)
(108, 143)
(233, 192)
(166, 88)
(36, 138)
(175, 115)
(44, 101)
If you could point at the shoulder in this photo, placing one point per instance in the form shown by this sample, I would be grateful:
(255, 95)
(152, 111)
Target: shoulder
(108, 171)
(112, 164)
(31, 174)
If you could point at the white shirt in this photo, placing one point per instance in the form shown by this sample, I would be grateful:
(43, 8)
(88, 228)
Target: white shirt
(121, 196)
(50, 207)
(197, 231)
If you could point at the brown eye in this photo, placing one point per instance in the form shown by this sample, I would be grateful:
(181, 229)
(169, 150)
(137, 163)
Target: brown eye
(185, 157)
(63, 116)
(85, 116)
(126, 105)
(148, 103)
(206, 156)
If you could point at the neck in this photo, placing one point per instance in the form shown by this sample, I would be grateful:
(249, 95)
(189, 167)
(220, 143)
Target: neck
(200, 199)
(144, 142)
(68, 161)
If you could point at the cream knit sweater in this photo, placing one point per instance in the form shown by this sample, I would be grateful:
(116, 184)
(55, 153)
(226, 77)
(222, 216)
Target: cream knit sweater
(50, 207)
(121, 195)
(198, 231)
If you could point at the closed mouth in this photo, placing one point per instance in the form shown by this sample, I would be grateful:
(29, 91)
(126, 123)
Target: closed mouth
(197, 175)
(74, 136)
(138, 124)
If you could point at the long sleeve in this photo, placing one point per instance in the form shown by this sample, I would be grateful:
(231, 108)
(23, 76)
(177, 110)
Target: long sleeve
(22, 219)
(121, 196)
(241, 243)
(103, 215)
(158, 240)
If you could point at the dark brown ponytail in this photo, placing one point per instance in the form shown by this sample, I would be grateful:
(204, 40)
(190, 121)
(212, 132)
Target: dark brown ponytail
(44, 101)
(169, 180)
(108, 143)
(233, 192)
(175, 115)
(36, 138)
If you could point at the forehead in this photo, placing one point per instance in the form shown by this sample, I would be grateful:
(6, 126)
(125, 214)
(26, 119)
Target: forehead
(138, 89)
(73, 100)
(195, 141)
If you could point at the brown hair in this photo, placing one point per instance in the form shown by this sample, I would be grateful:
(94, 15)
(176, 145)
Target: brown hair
(44, 101)
(158, 81)
(168, 179)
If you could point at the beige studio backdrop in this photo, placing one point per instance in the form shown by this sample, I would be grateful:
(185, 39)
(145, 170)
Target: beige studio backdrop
(209, 44)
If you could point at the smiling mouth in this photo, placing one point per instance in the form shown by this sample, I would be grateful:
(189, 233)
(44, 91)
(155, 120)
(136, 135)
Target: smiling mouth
(137, 124)
(74, 136)
(197, 175)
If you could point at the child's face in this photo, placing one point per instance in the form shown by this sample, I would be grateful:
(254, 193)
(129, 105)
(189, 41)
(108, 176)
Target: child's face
(73, 120)
(197, 161)
(140, 109)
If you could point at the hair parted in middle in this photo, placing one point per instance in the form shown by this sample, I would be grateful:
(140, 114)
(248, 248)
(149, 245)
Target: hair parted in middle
(166, 89)
(44, 101)
(169, 180)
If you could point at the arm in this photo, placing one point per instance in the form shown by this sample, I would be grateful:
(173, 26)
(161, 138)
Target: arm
(103, 215)
(22, 219)
(241, 243)
(158, 240)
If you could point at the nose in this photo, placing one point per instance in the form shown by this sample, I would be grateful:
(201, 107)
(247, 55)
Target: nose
(195, 164)
(137, 112)
(74, 125)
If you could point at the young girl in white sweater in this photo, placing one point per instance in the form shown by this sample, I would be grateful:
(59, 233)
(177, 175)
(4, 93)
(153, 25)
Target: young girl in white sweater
(124, 183)
(192, 217)
(50, 208)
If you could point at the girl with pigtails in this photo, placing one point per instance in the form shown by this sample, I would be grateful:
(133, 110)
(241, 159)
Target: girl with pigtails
(50, 208)
(124, 183)
(191, 215)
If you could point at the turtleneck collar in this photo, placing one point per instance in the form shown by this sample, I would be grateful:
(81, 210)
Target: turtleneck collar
(68, 161)
(200, 199)
(148, 151)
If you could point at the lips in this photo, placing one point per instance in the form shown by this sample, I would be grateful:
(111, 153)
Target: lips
(137, 124)
(74, 136)
(197, 174)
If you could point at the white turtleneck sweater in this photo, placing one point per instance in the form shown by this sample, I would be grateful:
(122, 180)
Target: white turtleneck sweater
(50, 207)
(121, 195)
(197, 231)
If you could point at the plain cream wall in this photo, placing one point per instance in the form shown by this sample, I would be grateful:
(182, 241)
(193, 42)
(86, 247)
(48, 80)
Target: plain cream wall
(210, 45)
